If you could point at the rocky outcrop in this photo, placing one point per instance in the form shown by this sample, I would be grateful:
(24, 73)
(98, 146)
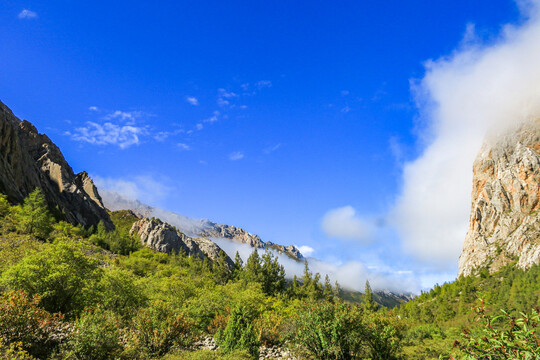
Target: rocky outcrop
(197, 227)
(239, 235)
(505, 222)
(29, 160)
(163, 237)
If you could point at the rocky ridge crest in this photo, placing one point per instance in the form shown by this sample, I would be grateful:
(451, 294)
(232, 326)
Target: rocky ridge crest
(30, 160)
(504, 224)
(163, 237)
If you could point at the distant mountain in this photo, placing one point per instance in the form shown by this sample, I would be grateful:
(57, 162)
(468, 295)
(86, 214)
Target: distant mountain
(29, 160)
(196, 228)
(504, 223)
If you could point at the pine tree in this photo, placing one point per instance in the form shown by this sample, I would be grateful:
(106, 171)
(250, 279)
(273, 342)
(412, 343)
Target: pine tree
(253, 269)
(328, 292)
(221, 270)
(33, 216)
(369, 304)
(273, 274)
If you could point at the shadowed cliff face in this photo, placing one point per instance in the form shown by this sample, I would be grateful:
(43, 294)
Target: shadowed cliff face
(505, 221)
(30, 160)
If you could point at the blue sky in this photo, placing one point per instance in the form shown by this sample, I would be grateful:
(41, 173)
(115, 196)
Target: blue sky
(294, 120)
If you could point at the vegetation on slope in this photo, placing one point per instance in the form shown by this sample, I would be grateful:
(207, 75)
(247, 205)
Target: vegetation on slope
(72, 293)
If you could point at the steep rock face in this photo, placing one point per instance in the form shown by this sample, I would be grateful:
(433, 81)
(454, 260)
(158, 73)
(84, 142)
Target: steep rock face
(505, 223)
(163, 237)
(30, 160)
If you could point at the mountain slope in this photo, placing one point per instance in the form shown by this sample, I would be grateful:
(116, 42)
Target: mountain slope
(504, 222)
(196, 227)
(30, 160)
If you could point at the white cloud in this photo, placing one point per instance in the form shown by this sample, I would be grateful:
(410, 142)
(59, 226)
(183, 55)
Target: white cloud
(93, 108)
(477, 88)
(183, 146)
(192, 100)
(345, 109)
(343, 223)
(27, 14)
(264, 84)
(199, 126)
(307, 251)
(108, 133)
(350, 275)
(271, 149)
(237, 155)
(124, 115)
(146, 188)
(213, 118)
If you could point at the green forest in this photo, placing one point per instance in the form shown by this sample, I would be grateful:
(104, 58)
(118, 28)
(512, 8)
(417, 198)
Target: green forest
(67, 292)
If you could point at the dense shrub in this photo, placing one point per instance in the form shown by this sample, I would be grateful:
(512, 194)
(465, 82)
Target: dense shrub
(62, 276)
(502, 337)
(96, 336)
(210, 355)
(23, 321)
(239, 333)
(157, 328)
(120, 291)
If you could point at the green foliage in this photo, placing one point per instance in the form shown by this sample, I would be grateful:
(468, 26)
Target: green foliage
(502, 337)
(157, 328)
(13, 351)
(61, 275)
(345, 331)
(33, 216)
(120, 291)
(210, 355)
(5, 206)
(239, 333)
(96, 335)
(369, 303)
(23, 321)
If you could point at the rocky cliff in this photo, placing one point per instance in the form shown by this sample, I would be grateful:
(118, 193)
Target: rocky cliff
(30, 160)
(505, 222)
(163, 237)
(197, 227)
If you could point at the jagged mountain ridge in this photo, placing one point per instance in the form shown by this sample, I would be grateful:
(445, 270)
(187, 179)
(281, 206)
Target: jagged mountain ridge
(30, 160)
(504, 223)
(196, 228)
(163, 237)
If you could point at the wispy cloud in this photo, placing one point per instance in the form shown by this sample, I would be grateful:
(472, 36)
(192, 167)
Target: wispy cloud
(192, 100)
(345, 109)
(125, 115)
(93, 108)
(147, 188)
(213, 118)
(343, 223)
(237, 155)
(272, 148)
(108, 133)
(27, 14)
(263, 84)
(183, 146)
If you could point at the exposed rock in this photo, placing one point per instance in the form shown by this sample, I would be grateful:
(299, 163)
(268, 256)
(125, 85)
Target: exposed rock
(504, 223)
(239, 235)
(163, 237)
(197, 227)
(30, 160)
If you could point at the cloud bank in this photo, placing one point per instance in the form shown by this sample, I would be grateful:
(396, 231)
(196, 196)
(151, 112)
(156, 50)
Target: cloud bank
(480, 87)
(344, 224)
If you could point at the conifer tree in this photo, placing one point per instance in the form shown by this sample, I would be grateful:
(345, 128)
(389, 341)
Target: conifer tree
(253, 267)
(369, 303)
(33, 216)
(328, 292)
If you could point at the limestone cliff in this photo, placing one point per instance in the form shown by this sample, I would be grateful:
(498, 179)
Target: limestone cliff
(30, 160)
(163, 237)
(504, 222)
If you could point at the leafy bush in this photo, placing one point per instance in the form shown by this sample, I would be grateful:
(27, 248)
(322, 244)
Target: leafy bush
(120, 291)
(13, 351)
(210, 355)
(157, 328)
(23, 321)
(33, 216)
(502, 337)
(96, 336)
(62, 276)
(344, 331)
(239, 333)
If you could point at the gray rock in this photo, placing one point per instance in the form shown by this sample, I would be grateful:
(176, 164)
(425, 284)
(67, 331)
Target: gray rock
(504, 224)
(163, 237)
(29, 160)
